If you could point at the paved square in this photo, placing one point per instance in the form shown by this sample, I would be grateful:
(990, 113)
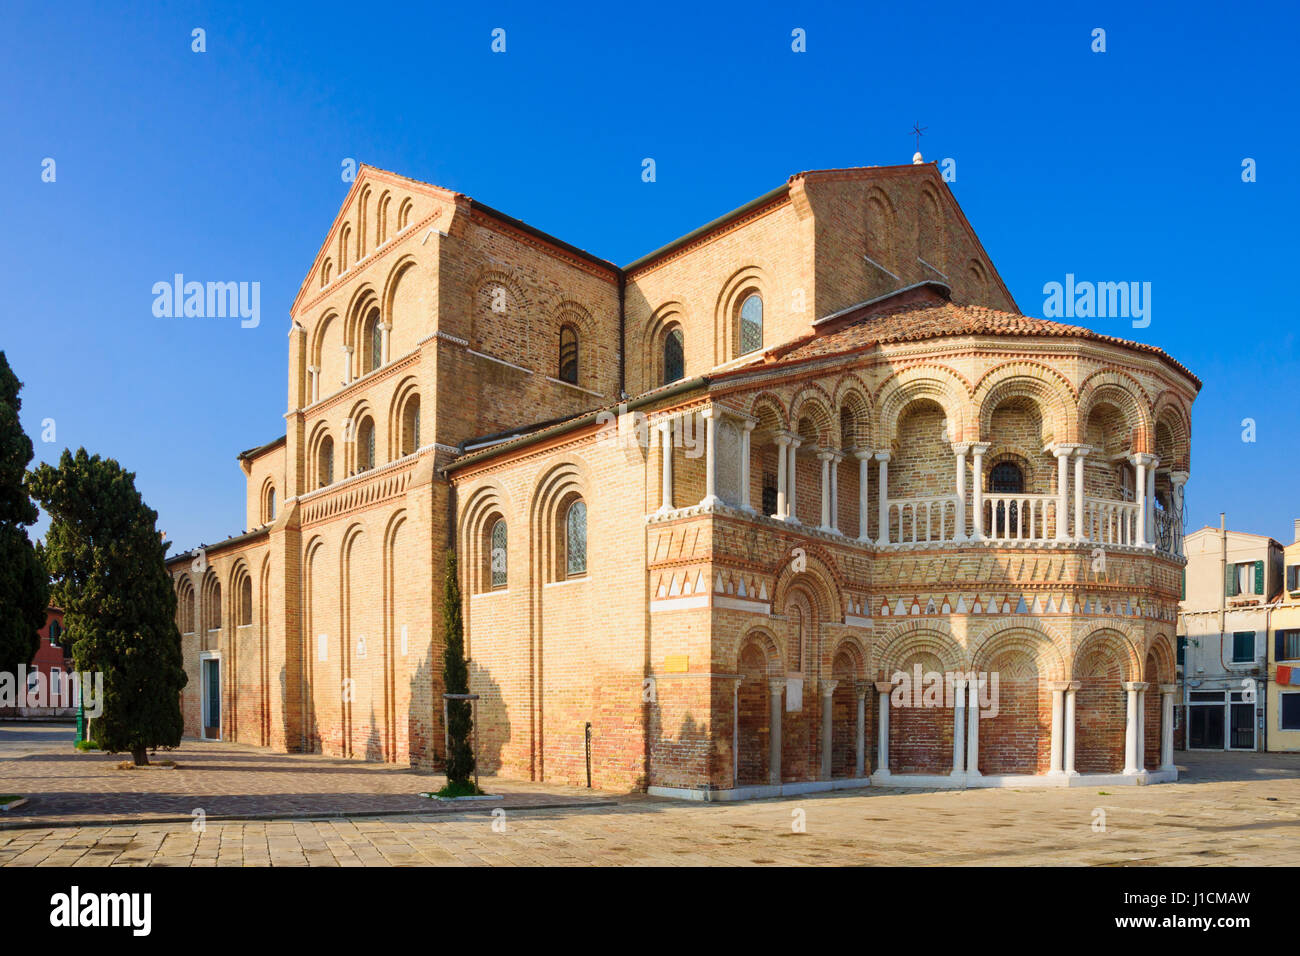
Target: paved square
(1229, 809)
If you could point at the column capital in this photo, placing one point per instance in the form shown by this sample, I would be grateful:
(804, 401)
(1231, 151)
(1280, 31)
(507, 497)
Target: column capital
(1059, 685)
(385, 326)
(784, 438)
(748, 424)
(1136, 685)
(1144, 459)
(962, 447)
(1073, 685)
(826, 454)
(347, 348)
(861, 687)
(1168, 688)
(1066, 449)
(980, 447)
(828, 687)
(775, 685)
(1081, 451)
(864, 454)
(883, 456)
(884, 686)
(313, 368)
(710, 411)
(1179, 477)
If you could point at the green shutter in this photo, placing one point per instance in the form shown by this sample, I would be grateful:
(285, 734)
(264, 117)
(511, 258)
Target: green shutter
(1230, 580)
(1259, 577)
(1184, 596)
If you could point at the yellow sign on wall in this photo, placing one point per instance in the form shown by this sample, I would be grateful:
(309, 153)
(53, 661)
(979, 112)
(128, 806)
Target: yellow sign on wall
(676, 664)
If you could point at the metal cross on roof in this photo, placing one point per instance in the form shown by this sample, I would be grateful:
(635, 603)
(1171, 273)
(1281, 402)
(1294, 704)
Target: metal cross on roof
(918, 129)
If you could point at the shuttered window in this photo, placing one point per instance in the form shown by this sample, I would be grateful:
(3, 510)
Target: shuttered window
(1286, 645)
(1243, 647)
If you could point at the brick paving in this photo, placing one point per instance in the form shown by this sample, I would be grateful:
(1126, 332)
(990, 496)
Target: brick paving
(228, 780)
(1231, 809)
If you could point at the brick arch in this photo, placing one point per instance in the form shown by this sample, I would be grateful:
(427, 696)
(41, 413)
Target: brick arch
(1171, 417)
(814, 403)
(555, 489)
(1111, 641)
(848, 659)
(364, 301)
(752, 277)
(854, 413)
(1044, 386)
(329, 322)
(478, 516)
(768, 645)
(1127, 395)
(931, 242)
(1024, 636)
(396, 274)
(667, 316)
(881, 228)
(937, 383)
(904, 640)
(819, 576)
(1159, 649)
(769, 408)
(1025, 631)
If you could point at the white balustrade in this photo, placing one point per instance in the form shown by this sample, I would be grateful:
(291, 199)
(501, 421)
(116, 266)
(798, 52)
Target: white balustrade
(1110, 522)
(1019, 516)
(921, 520)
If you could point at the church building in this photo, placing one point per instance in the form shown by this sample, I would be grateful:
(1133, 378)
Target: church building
(798, 501)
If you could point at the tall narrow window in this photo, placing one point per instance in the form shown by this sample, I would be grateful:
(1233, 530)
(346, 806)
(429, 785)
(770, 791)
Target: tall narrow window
(270, 504)
(411, 425)
(376, 342)
(576, 538)
(499, 554)
(751, 324)
(366, 445)
(325, 462)
(568, 355)
(245, 602)
(674, 356)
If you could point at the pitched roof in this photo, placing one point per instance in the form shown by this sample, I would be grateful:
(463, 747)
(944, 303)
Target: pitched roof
(922, 312)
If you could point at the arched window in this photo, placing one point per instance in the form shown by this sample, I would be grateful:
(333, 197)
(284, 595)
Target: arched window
(376, 342)
(568, 355)
(366, 445)
(499, 554)
(575, 538)
(674, 356)
(751, 324)
(1006, 477)
(411, 426)
(245, 601)
(270, 504)
(325, 462)
(56, 631)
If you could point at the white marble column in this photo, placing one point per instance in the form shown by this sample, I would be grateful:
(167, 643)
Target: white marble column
(782, 463)
(775, 686)
(1132, 728)
(860, 757)
(960, 449)
(1152, 537)
(973, 730)
(836, 458)
(882, 495)
(745, 437)
(313, 383)
(1141, 462)
(792, 481)
(384, 329)
(828, 690)
(883, 689)
(977, 450)
(1062, 453)
(1167, 692)
(1080, 529)
(666, 451)
(1058, 726)
(826, 458)
(959, 727)
(864, 471)
(347, 365)
(710, 416)
(1071, 688)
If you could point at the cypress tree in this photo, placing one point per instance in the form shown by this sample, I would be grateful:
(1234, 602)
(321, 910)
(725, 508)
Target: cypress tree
(106, 560)
(24, 586)
(455, 680)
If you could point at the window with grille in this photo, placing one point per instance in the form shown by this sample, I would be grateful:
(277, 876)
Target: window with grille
(498, 556)
(751, 324)
(674, 356)
(576, 539)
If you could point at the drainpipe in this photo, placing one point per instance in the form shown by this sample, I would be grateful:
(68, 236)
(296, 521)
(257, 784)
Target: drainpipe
(1223, 577)
(622, 333)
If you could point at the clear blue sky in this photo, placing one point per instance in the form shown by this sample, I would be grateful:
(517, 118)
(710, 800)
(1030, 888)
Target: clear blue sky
(225, 165)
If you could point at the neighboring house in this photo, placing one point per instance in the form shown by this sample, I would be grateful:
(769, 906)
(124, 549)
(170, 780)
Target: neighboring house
(52, 662)
(1282, 724)
(1233, 583)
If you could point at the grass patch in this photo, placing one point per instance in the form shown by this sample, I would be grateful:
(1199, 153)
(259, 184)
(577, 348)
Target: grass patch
(87, 745)
(466, 789)
(7, 798)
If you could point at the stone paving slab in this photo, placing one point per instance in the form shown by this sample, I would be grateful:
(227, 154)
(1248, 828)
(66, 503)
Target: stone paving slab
(229, 781)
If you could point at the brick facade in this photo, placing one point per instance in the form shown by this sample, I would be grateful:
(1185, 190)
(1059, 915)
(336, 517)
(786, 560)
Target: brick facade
(431, 405)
